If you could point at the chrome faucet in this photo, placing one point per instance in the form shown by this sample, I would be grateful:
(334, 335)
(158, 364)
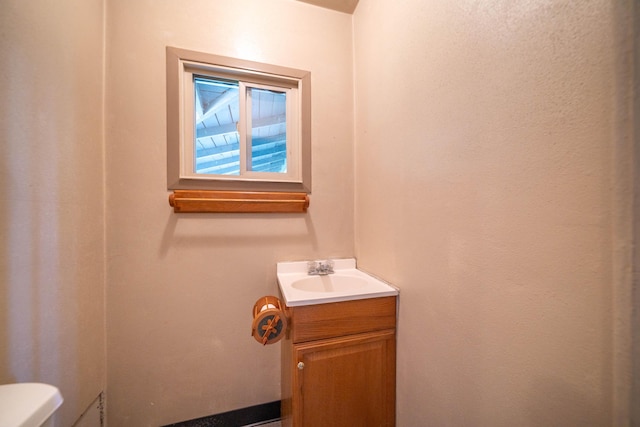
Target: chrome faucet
(320, 268)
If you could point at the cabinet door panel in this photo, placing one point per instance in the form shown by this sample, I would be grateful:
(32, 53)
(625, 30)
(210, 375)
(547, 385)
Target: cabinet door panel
(347, 381)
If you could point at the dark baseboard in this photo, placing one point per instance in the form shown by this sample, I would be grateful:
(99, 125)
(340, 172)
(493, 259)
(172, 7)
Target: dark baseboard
(239, 417)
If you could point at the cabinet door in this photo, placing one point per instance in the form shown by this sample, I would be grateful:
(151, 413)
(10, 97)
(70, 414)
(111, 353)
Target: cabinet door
(345, 382)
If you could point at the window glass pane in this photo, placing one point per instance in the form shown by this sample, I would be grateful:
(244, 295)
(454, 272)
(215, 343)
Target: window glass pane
(268, 131)
(217, 111)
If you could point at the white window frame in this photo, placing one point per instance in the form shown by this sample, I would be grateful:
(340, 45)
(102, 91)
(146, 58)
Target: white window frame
(182, 66)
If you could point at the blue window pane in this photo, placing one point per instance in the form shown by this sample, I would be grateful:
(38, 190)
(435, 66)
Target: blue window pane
(268, 131)
(217, 111)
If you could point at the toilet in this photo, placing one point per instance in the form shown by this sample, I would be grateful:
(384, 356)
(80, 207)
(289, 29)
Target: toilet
(28, 404)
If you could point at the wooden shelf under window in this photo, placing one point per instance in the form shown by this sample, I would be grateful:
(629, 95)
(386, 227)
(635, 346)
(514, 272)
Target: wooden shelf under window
(194, 201)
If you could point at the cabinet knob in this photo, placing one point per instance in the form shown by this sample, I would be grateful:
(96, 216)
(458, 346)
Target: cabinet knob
(300, 365)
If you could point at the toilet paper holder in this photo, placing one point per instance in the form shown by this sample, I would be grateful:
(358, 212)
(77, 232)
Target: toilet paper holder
(269, 320)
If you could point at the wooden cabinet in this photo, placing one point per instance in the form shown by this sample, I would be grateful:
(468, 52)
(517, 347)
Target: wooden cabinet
(339, 364)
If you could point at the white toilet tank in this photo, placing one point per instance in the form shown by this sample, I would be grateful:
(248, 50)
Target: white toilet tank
(28, 404)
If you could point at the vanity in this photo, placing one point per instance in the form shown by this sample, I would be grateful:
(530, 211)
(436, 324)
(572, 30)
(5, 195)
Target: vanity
(339, 352)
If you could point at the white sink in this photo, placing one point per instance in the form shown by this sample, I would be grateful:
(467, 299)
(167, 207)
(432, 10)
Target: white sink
(330, 283)
(345, 284)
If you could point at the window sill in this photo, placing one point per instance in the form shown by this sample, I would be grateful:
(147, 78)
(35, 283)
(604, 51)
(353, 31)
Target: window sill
(202, 201)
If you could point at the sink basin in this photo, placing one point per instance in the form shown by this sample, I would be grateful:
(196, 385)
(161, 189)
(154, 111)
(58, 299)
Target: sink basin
(329, 283)
(345, 284)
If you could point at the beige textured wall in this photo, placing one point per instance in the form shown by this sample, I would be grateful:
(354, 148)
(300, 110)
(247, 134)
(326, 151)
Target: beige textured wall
(51, 180)
(485, 139)
(181, 287)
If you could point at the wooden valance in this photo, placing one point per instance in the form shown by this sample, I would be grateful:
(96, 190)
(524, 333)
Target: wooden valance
(205, 201)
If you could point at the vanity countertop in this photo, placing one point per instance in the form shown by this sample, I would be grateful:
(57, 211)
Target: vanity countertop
(346, 283)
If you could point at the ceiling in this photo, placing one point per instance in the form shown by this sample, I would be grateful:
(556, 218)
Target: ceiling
(347, 6)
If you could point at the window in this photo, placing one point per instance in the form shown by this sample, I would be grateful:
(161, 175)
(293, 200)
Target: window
(240, 141)
(236, 125)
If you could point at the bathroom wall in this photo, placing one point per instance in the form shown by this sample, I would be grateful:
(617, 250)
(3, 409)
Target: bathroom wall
(181, 287)
(51, 216)
(488, 140)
